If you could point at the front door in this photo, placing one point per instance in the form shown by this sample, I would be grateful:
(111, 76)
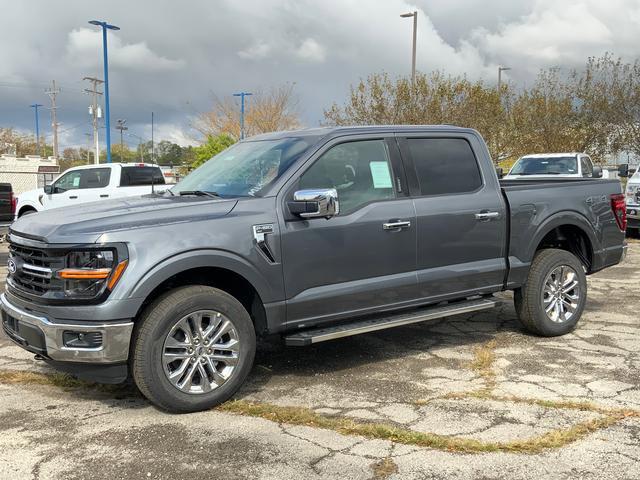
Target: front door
(78, 186)
(363, 258)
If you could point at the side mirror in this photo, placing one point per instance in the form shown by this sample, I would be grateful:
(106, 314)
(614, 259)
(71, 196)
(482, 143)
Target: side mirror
(597, 172)
(48, 189)
(499, 172)
(318, 203)
(623, 170)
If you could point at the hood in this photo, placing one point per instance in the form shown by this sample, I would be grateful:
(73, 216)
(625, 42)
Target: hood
(85, 223)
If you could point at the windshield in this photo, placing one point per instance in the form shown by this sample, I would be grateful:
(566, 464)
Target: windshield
(246, 168)
(545, 166)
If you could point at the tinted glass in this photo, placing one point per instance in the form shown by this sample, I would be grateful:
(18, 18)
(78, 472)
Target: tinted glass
(359, 171)
(86, 178)
(134, 176)
(545, 166)
(444, 165)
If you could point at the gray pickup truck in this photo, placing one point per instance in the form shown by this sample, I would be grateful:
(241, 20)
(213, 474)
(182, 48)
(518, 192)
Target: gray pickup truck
(311, 235)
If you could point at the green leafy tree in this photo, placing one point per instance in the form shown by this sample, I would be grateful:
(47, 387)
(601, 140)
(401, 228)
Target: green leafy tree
(214, 145)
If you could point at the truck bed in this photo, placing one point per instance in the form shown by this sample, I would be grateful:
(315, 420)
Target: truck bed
(580, 206)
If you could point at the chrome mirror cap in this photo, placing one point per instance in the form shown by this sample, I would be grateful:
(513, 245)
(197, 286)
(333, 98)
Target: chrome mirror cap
(326, 200)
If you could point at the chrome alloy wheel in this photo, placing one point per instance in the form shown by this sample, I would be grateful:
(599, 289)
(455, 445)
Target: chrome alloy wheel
(561, 294)
(200, 352)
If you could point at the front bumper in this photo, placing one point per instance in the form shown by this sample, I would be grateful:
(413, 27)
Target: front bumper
(39, 335)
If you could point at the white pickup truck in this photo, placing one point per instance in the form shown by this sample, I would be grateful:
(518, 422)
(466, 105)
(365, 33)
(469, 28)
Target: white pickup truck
(91, 183)
(554, 165)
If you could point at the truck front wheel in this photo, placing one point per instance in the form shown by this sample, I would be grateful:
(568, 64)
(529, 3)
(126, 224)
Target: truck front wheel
(553, 298)
(193, 348)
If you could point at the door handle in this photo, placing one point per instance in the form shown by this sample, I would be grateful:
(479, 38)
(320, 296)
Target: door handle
(104, 195)
(400, 224)
(73, 196)
(487, 215)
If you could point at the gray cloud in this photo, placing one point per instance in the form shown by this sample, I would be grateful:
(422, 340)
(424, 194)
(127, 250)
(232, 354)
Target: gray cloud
(172, 57)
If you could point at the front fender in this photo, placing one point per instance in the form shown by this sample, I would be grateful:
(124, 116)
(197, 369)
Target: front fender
(197, 259)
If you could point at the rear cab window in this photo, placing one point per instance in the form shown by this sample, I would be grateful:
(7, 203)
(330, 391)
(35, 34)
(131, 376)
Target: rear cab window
(444, 166)
(134, 176)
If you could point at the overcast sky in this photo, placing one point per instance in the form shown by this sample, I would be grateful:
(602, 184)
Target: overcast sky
(171, 57)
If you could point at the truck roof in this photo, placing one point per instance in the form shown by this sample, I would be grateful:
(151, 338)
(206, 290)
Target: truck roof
(113, 164)
(551, 155)
(355, 129)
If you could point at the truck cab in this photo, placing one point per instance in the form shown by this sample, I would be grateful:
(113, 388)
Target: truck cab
(92, 183)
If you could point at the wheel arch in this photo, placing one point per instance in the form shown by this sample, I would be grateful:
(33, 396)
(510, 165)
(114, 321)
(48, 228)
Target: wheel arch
(212, 268)
(570, 232)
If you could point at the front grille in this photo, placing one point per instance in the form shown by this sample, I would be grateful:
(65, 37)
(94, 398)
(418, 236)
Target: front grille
(34, 269)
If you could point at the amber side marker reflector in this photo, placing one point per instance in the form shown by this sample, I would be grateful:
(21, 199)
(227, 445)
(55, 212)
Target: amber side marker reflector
(117, 273)
(82, 274)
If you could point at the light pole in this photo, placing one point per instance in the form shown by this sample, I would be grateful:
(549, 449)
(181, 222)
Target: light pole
(500, 70)
(498, 140)
(415, 32)
(105, 26)
(242, 95)
(121, 126)
(35, 106)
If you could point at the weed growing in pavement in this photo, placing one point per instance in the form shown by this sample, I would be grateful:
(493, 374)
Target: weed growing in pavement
(483, 363)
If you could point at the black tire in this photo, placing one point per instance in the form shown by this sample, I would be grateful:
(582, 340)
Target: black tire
(528, 299)
(154, 326)
(28, 211)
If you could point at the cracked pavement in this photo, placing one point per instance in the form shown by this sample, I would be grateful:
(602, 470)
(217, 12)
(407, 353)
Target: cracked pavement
(417, 378)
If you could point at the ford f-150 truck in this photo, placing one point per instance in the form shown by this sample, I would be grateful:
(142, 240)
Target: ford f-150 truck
(312, 235)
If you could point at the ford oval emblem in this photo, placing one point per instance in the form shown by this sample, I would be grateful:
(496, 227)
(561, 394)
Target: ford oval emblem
(11, 266)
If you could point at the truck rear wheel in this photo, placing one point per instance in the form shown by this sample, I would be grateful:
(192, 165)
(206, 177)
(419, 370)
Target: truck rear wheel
(553, 298)
(192, 349)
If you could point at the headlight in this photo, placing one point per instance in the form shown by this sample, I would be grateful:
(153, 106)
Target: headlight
(89, 272)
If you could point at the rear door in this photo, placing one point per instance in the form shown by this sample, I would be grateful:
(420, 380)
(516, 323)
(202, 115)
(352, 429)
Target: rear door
(137, 180)
(461, 215)
(354, 262)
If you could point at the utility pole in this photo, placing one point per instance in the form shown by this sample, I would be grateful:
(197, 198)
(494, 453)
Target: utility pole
(242, 95)
(95, 112)
(152, 144)
(415, 34)
(88, 148)
(500, 70)
(121, 126)
(36, 106)
(52, 92)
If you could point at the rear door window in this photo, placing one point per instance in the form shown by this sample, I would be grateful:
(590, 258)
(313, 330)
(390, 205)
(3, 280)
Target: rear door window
(444, 165)
(136, 176)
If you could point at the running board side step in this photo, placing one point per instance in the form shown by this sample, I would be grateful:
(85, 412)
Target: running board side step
(308, 337)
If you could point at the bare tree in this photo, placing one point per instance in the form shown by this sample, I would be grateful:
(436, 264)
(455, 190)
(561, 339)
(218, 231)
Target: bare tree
(267, 111)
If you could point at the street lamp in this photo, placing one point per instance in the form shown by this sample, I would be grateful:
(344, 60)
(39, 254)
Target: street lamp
(36, 106)
(242, 95)
(500, 70)
(415, 30)
(105, 26)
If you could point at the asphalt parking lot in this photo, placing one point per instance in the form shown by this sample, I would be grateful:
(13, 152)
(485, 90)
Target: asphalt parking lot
(466, 397)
